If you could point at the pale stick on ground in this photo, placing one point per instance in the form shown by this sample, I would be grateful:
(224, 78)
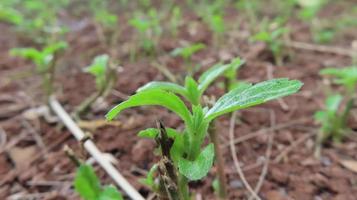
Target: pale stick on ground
(94, 151)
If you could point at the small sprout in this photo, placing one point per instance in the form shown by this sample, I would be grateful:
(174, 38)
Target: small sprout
(148, 28)
(99, 69)
(105, 78)
(188, 157)
(272, 36)
(36, 19)
(88, 186)
(334, 117)
(175, 20)
(45, 61)
(187, 52)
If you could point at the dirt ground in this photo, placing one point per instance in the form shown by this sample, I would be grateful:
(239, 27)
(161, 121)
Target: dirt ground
(33, 164)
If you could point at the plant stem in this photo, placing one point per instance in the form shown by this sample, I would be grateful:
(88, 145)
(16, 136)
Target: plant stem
(183, 188)
(222, 191)
(83, 107)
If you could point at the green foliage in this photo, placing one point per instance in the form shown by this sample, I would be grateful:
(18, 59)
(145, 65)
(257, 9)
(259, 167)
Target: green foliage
(332, 121)
(231, 74)
(212, 13)
(189, 159)
(334, 117)
(272, 35)
(41, 59)
(187, 51)
(99, 69)
(198, 168)
(88, 186)
(150, 178)
(343, 76)
(37, 18)
(250, 95)
(102, 14)
(175, 20)
(309, 8)
(148, 27)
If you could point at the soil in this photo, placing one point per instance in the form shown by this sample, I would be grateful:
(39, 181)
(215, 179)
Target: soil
(32, 160)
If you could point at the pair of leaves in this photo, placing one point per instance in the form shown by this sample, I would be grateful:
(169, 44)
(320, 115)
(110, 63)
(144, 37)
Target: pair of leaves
(98, 68)
(242, 97)
(193, 90)
(333, 123)
(41, 58)
(188, 51)
(87, 184)
(193, 170)
(345, 76)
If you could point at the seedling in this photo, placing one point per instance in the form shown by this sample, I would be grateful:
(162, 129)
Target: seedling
(105, 78)
(187, 52)
(176, 20)
(249, 8)
(337, 109)
(36, 18)
(88, 186)
(272, 35)
(148, 28)
(230, 75)
(212, 15)
(184, 158)
(106, 25)
(45, 61)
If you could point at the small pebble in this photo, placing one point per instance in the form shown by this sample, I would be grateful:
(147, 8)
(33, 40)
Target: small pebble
(236, 184)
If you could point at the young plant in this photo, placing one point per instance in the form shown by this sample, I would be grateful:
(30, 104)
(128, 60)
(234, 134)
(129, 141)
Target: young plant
(337, 109)
(185, 157)
(212, 14)
(148, 28)
(45, 61)
(272, 35)
(230, 75)
(88, 186)
(36, 18)
(105, 78)
(308, 13)
(175, 20)
(106, 25)
(186, 53)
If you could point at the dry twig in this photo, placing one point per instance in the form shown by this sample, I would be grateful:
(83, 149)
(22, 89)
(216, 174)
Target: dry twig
(94, 151)
(235, 158)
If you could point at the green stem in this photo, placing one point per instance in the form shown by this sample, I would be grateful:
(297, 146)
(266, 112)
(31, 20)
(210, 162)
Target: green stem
(183, 188)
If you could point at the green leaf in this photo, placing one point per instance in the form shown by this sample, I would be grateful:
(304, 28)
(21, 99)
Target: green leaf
(210, 75)
(54, 47)
(250, 95)
(86, 183)
(167, 86)
(346, 76)
(110, 193)
(197, 169)
(153, 97)
(262, 36)
(150, 179)
(192, 92)
(333, 102)
(149, 133)
(178, 148)
(320, 116)
(188, 51)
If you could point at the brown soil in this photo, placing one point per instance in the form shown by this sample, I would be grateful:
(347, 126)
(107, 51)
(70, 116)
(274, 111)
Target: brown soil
(32, 160)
